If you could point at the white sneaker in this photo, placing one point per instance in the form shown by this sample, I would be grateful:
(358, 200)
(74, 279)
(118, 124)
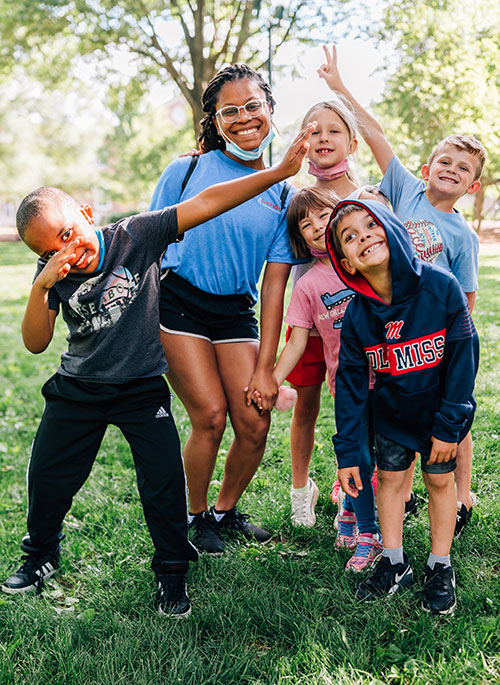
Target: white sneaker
(303, 504)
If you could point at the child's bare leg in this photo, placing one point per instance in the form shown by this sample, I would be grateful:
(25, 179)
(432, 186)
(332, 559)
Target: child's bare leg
(408, 486)
(391, 506)
(302, 428)
(464, 470)
(442, 510)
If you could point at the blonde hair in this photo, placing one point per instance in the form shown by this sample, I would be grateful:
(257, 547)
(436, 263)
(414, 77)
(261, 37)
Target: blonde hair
(305, 200)
(462, 142)
(342, 109)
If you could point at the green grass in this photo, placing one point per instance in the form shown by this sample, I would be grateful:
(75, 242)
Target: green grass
(283, 613)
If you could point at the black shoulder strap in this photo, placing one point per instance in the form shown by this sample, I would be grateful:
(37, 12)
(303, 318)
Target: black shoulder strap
(191, 168)
(284, 194)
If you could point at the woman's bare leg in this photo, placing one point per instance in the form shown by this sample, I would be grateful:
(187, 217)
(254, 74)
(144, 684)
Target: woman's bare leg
(236, 363)
(194, 376)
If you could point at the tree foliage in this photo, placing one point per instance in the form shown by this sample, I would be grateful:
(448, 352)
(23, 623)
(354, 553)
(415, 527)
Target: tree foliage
(176, 40)
(446, 79)
(45, 140)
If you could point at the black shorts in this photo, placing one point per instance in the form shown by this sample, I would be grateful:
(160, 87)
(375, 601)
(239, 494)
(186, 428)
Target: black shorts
(391, 456)
(187, 310)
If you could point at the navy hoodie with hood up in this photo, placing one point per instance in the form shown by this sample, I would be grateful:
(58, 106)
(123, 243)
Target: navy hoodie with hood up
(423, 348)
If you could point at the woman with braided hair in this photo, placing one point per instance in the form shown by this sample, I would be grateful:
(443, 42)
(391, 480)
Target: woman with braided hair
(208, 325)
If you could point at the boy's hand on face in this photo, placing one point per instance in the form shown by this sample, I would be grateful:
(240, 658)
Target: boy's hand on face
(442, 451)
(348, 474)
(294, 156)
(329, 70)
(59, 265)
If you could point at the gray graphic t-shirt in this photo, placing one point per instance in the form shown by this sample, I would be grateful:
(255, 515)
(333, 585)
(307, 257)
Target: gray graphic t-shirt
(113, 314)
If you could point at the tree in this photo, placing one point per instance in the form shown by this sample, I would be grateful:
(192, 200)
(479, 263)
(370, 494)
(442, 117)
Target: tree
(46, 141)
(175, 40)
(447, 79)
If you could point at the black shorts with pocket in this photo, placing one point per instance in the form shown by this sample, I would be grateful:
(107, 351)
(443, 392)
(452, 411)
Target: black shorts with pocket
(187, 310)
(391, 456)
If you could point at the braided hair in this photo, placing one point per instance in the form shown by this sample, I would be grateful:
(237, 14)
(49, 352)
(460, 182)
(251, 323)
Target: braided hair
(209, 137)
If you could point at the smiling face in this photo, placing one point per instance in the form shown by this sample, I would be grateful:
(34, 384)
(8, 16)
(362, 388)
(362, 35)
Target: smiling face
(451, 173)
(49, 232)
(249, 130)
(330, 142)
(363, 242)
(312, 227)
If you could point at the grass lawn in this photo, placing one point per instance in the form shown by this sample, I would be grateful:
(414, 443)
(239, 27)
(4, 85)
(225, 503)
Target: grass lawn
(283, 613)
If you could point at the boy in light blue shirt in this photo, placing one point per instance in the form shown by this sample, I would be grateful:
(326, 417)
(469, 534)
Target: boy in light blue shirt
(438, 231)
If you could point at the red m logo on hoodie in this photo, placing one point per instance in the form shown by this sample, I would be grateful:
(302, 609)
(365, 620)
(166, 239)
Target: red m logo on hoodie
(393, 329)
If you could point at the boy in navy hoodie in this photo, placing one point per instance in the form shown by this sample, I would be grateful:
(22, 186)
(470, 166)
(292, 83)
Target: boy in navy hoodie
(410, 322)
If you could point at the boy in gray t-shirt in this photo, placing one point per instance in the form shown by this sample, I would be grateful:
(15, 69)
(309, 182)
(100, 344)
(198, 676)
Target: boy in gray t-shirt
(106, 282)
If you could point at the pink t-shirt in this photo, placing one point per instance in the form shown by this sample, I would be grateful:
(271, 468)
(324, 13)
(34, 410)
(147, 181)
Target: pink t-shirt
(319, 300)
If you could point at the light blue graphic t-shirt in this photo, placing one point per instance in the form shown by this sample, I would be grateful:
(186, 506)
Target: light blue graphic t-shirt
(440, 237)
(225, 255)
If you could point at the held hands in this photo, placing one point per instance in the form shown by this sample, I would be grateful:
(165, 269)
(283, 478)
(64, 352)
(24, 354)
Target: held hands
(294, 156)
(59, 265)
(329, 71)
(442, 451)
(345, 476)
(262, 391)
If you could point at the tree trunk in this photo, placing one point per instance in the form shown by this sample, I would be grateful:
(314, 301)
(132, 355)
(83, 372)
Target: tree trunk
(478, 208)
(198, 115)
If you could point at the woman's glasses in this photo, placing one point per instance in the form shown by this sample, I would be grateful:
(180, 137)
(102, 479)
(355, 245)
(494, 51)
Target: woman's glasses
(231, 113)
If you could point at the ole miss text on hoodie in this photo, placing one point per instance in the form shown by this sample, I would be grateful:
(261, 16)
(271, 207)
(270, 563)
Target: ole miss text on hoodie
(423, 348)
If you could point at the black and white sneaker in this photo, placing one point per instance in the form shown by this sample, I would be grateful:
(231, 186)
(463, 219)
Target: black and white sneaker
(171, 597)
(32, 573)
(411, 507)
(386, 579)
(439, 590)
(205, 536)
(235, 521)
(463, 517)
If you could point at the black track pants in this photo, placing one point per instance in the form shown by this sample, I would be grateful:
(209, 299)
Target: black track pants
(73, 424)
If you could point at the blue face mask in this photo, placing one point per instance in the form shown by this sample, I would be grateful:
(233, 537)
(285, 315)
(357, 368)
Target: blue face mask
(248, 155)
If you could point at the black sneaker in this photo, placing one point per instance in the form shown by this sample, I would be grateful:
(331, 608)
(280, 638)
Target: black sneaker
(32, 573)
(205, 536)
(411, 507)
(235, 521)
(171, 597)
(439, 590)
(463, 517)
(386, 579)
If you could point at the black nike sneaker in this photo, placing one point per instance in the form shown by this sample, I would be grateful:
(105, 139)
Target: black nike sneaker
(411, 507)
(439, 590)
(386, 579)
(235, 521)
(205, 536)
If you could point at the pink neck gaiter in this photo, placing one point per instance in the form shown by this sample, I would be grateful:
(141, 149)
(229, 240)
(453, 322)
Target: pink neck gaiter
(320, 254)
(329, 173)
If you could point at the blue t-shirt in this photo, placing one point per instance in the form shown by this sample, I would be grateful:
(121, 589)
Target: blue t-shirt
(440, 237)
(225, 255)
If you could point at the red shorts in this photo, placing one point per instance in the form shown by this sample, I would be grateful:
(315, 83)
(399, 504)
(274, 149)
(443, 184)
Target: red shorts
(311, 368)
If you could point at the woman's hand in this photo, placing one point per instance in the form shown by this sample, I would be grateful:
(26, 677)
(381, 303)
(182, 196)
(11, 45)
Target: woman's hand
(329, 70)
(262, 391)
